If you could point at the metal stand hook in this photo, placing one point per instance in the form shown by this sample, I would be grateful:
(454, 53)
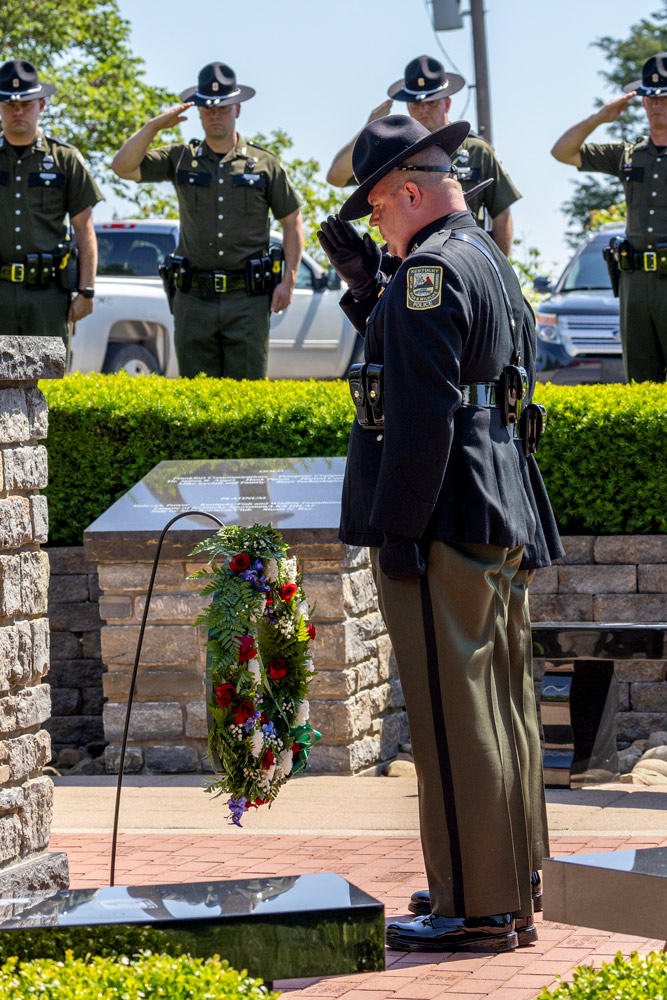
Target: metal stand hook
(114, 838)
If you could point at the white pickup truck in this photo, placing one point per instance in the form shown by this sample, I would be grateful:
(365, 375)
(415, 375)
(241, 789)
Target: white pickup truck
(131, 328)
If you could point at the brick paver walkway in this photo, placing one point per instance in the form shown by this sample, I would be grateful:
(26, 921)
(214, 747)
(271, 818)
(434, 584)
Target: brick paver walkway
(386, 867)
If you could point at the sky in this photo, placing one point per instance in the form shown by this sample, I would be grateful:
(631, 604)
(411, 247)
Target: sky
(320, 68)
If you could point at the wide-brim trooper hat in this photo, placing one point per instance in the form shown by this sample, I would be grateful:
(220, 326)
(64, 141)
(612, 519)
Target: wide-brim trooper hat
(217, 87)
(654, 78)
(425, 80)
(385, 144)
(19, 82)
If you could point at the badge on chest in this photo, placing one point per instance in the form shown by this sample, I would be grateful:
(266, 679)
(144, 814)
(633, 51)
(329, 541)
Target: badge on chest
(424, 287)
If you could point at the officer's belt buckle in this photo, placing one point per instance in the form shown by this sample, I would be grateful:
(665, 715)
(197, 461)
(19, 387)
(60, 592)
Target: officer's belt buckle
(650, 260)
(17, 273)
(220, 282)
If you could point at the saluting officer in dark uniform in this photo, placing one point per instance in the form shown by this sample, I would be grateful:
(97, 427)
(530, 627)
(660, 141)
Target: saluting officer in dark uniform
(226, 188)
(427, 89)
(439, 491)
(42, 180)
(642, 167)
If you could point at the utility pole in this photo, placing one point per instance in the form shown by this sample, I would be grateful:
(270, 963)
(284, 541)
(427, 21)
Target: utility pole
(447, 16)
(481, 69)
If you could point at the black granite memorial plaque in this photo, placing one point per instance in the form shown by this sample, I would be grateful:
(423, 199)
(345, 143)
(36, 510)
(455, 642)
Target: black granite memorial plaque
(287, 927)
(295, 495)
(622, 891)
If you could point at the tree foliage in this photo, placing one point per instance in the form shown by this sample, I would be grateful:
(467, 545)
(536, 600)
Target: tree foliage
(83, 48)
(625, 58)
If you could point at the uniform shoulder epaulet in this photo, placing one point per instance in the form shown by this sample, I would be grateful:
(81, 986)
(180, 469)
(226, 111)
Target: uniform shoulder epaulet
(194, 142)
(639, 141)
(58, 140)
(258, 145)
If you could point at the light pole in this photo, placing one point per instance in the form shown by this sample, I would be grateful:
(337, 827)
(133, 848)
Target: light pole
(447, 16)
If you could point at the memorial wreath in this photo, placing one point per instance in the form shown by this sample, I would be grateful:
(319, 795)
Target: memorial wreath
(258, 665)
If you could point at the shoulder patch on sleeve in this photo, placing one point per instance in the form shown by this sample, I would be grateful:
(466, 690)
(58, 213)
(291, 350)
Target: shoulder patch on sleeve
(424, 287)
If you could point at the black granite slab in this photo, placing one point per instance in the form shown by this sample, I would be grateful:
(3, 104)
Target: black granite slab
(286, 927)
(600, 640)
(299, 496)
(622, 891)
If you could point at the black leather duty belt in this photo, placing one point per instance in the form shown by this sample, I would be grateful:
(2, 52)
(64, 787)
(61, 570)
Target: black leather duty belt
(650, 260)
(479, 394)
(219, 282)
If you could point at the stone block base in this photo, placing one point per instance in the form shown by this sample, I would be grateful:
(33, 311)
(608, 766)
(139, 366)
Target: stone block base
(39, 873)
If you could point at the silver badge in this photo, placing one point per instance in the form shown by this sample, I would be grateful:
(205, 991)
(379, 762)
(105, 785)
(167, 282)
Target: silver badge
(47, 162)
(462, 156)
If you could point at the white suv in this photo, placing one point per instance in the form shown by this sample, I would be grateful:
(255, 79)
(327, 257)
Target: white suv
(131, 328)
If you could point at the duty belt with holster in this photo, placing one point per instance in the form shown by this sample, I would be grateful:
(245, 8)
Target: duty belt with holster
(259, 277)
(40, 270)
(620, 255)
(527, 422)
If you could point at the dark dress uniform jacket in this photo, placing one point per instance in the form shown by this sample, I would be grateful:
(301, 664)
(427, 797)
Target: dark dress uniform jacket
(440, 470)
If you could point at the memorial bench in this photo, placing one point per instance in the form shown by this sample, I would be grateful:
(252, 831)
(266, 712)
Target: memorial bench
(579, 694)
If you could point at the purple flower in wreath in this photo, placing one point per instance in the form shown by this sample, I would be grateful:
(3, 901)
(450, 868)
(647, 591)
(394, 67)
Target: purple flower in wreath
(237, 807)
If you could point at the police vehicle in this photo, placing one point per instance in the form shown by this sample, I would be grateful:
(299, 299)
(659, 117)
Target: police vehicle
(578, 326)
(131, 328)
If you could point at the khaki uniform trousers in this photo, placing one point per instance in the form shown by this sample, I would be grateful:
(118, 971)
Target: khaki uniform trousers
(449, 631)
(524, 717)
(34, 313)
(226, 336)
(643, 305)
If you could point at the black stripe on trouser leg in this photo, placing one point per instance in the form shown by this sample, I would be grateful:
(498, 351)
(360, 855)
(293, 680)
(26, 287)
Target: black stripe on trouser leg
(444, 761)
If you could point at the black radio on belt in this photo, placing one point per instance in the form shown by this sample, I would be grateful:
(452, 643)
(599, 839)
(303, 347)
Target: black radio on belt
(512, 385)
(532, 424)
(367, 391)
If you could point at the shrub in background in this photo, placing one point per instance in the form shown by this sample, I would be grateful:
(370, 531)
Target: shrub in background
(603, 457)
(636, 978)
(146, 975)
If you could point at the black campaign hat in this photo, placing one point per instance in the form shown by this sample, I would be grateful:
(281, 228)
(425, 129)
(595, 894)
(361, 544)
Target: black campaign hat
(385, 144)
(425, 80)
(216, 87)
(19, 82)
(654, 78)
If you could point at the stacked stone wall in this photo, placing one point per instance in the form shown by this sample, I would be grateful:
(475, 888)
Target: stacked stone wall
(25, 747)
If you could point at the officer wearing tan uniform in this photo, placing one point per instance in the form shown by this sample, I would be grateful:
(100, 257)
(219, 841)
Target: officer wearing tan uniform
(42, 180)
(642, 167)
(226, 188)
(427, 89)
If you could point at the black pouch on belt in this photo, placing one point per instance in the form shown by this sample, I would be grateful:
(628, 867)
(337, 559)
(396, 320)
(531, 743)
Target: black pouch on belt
(45, 269)
(532, 424)
(375, 393)
(661, 258)
(32, 275)
(356, 378)
(512, 388)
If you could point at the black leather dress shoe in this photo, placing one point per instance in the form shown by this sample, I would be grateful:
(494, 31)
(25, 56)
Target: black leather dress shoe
(435, 933)
(420, 902)
(526, 931)
(536, 890)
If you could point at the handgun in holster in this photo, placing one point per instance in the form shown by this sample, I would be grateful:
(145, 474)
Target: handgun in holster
(512, 386)
(166, 272)
(610, 254)
(532, 424)
(277, 258)
(66, 261)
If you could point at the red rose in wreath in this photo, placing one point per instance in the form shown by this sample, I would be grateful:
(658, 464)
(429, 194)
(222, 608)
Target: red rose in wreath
(269, 760)
(258, 802)
(245, 711)
(295, 748)
(287, 591)
(224, 694)
(310, 629)
(239, 562)
(247, 650)
(277, 668)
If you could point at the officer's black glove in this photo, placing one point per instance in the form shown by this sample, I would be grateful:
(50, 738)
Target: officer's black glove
(400, 558)
(356, 260)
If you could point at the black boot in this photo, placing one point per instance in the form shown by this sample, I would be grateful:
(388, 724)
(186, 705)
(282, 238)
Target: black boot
(435, 933)
(420, 901)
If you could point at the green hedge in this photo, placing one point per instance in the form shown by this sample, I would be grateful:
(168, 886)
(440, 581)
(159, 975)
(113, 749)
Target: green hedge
(146, 975)
(636, 978)
(604, 456)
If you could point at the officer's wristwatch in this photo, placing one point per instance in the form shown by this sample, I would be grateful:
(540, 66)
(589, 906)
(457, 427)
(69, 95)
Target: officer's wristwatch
(88, 293)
